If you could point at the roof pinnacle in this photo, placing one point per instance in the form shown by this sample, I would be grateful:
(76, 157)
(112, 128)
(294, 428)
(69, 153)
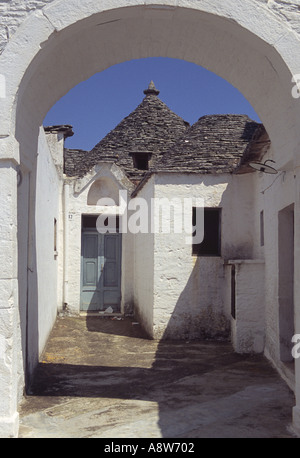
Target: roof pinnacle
(151, 89)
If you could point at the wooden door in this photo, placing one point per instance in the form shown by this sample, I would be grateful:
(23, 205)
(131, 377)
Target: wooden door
(100, 272)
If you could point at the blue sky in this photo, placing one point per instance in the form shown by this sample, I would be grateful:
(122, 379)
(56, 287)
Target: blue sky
(97, 105)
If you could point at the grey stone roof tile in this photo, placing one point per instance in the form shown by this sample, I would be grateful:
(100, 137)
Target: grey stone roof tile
(151, 128)
(214, 144)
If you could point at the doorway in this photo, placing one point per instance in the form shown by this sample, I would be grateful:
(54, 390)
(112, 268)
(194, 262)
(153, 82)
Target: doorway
(100, 269)
(286, 281)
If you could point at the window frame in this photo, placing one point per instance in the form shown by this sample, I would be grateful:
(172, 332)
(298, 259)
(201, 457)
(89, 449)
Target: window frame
(196, 251)
(262, 228)
(144, 157)
(92, 226)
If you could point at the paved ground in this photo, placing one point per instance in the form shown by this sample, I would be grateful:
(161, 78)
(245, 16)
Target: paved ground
(99, 378)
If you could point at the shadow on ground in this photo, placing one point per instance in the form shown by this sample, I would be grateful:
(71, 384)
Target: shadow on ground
(101, 377)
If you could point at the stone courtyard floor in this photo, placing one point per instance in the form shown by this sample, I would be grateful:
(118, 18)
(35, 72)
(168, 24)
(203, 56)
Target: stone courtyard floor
(100, 378)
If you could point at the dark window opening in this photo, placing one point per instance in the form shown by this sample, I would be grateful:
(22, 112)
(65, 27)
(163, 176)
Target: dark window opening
(211, 244)
(233, 304)
(262, 229)
(89, 222)
(55, 235)
(141, 161)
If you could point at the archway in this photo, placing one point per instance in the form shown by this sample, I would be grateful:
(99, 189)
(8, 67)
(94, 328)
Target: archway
(67, 42)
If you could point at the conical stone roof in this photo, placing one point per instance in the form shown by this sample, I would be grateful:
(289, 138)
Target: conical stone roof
(214, 144)
(151, 128)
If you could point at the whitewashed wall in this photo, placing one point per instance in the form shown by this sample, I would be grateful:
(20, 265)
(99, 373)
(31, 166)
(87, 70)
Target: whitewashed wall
(144, 268)
(14, 12)
(273, 193)
(48, 207)
(248, 322)
(189, 291)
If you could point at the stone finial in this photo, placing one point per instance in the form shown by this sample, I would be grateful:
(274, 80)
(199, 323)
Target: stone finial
(151, 89)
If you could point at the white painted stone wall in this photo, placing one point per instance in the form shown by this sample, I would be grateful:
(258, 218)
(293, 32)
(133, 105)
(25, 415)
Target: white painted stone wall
(248, 325)
(272, 194)
(144, 267)
(9, 317)
(187, 302)
(48, 208)
(14, 12)
(189, 290)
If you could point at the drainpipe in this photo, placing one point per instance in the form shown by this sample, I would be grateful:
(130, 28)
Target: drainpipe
(66, 244)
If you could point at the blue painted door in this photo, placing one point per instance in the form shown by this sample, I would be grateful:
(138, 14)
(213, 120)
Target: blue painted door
(100, 271)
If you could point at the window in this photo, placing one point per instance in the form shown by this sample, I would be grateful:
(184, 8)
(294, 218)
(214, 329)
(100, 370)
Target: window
(262, 229)
(89, 222)
(233, 288)
(211, 244)
(141, 161)
(55, 238)
(55, 234)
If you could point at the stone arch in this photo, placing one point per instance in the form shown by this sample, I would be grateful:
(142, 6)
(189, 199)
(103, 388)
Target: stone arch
(68, 41)
(103, 188)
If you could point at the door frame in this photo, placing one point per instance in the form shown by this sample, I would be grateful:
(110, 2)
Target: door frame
(93, 230)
